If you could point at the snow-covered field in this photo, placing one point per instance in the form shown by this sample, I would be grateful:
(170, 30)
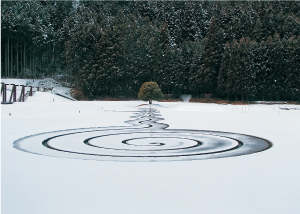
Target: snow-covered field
(263, 182)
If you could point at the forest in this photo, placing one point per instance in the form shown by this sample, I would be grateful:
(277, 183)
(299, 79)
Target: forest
(239, 50)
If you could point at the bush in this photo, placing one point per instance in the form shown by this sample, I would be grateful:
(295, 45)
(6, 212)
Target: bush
(150, 91)
(77, 94)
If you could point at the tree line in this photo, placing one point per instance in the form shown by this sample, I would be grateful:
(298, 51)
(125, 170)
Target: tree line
(233, 50)
(31, 39)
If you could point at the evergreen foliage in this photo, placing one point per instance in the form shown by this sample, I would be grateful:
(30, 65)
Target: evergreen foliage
(150, 91)
(235, 50)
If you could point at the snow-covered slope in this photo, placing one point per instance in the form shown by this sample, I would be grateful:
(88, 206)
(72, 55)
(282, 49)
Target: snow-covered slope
(58, 89)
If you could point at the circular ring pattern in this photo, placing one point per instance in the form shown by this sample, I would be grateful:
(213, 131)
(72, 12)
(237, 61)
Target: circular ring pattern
(146, 140)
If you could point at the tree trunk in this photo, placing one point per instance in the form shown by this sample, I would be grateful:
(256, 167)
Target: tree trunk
(150, 102)
(17, 59)
(0, 64)
(21, 61)
(24, 60)
(34, 68)
(8, 70)
(11, 59)
(5, 60)
(41, 60)
(30, 65)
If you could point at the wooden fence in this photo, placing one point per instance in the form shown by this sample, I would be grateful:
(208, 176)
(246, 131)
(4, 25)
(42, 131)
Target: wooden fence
(23, 95)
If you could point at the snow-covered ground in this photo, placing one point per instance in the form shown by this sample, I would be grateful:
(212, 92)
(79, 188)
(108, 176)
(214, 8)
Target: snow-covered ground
(264, 182)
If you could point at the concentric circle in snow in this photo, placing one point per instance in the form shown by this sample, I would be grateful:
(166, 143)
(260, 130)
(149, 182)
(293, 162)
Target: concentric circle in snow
(146, 140)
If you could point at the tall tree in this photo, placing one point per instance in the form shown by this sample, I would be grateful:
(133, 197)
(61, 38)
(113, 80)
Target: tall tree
(222, 78)
(292, 80)
(212, 58)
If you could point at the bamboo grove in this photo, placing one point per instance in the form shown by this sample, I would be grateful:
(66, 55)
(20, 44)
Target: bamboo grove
(233, 50)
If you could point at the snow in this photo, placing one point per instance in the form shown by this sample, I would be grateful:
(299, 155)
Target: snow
(46, 97)
(44, 83)
(14, 81)
(204, 108)
(263, 182)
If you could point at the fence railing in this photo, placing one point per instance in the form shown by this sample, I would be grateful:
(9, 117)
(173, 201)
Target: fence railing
(23, 95)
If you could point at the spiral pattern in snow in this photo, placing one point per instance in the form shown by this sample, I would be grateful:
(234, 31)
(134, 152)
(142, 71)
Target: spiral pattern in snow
(146, 140)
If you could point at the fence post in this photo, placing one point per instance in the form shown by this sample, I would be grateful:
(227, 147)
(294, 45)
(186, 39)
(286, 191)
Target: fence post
(22, 95)
(13, 94)
(3, 91)
(23, 89)
(30, 93)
